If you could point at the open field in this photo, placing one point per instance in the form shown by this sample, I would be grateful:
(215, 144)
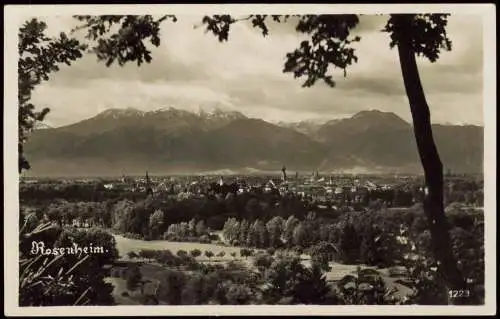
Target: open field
(125, 245)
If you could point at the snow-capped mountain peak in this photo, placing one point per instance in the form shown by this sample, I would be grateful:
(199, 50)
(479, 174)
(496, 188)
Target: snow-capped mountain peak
(116, 113)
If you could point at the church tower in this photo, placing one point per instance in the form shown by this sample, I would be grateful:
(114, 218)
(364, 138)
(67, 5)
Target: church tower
(149, 189)
(283, 173)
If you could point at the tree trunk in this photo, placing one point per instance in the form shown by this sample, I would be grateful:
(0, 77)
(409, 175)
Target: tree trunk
(433, 169)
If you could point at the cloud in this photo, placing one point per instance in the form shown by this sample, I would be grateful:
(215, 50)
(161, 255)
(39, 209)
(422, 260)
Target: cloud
(192, 69)
(370, 23)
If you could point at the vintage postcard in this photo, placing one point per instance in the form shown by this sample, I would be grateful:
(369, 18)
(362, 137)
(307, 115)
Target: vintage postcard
(250, 159)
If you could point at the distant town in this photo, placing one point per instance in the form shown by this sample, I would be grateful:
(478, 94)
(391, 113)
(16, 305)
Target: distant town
(325, 191)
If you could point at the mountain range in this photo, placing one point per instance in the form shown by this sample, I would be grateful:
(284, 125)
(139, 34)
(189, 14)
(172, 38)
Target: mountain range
(169, 140)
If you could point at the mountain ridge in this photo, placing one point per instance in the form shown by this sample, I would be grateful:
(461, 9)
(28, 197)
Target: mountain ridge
(170, 139)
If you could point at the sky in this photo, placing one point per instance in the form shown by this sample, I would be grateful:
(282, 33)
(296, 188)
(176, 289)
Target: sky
(191, 70)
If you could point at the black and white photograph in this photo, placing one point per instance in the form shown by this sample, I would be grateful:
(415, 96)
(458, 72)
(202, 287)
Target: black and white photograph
(252, 156)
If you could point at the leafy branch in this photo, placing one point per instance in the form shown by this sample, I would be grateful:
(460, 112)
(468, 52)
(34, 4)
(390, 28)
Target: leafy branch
(39, 56)
(329, 46)
(128, 42)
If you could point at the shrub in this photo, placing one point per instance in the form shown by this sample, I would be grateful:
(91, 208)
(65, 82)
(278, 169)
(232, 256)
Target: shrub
(365, 288)
(214, 237)
(195, 253)
(271, 251)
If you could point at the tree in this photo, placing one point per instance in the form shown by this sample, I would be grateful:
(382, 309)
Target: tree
(244, 252)
(156, 223)
(238, 294)
(192, 227)
(258, 235)
(349, 244)
(209, 254)
(275, 228)
(147, 254)
(300, 235)
(171, 285)
(133, 278)
(230, 230)
(120, 214)
(290, 282)
(221, 254)
(322, 253)
(39, 56)
(183, 230)
(365, 287)
(200, 228)
(195, 252)
(290, 225)
(132, 254)
(182, 253)
(253, 209)
(55, 214)
(426, 35)
(271, 251)
(88, 278)
(263, 261)
(192, 293)
(243, 231)
(49, 280)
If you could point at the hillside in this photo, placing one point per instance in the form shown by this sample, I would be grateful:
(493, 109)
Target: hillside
(171, 140)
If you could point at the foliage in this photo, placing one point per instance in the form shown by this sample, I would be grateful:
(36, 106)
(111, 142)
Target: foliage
(263, 261)
(290, 282)
(209, 254)
(329, 45)
(468, 246)
(275, 228)
(133, 278)
(39, 56)
(63, 279)
(182, 253)
(427, 33)
(349, 244)
(237, 294)
(379, 246)
(132, 255)
(271, 251)
(221, 254)
(322, 254)
(324, 247)
(366, 287)
(170, 287)
(290, 225)
(244, 252)
(156, 222)
(195, 253)
(128, 43)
